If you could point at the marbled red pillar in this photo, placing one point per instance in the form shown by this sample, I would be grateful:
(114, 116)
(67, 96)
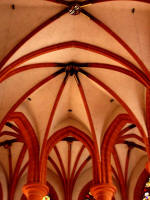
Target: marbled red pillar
(35, 191)
(103, 191)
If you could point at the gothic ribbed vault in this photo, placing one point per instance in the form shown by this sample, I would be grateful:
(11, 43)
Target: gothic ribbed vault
(74, 96)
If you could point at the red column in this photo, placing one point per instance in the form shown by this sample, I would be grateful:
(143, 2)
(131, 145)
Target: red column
(147, 167)
(35, 191)
(103, 191)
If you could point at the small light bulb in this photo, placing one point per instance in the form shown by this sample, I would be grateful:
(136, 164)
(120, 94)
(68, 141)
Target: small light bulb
(146, 193)
(46, 198)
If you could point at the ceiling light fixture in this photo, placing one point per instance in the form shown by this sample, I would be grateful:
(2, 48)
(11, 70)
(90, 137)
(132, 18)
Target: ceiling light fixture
(29, 99)
(13, 6)
(111, 100)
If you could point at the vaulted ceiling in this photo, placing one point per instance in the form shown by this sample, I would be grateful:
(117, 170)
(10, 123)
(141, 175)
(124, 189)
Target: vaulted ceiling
(76, 86)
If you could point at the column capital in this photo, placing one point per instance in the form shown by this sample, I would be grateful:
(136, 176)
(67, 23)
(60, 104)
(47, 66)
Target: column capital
(103, 191)
(35, 191)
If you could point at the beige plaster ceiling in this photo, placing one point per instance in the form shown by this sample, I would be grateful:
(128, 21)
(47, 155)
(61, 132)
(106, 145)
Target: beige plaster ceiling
(133, 28)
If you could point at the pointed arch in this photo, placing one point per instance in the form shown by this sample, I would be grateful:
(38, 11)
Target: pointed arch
(58, 136)
(80, 45)
(31, 141)
(108, 143)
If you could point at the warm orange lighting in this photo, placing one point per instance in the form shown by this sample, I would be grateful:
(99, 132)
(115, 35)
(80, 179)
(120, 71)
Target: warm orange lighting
(46, 198)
